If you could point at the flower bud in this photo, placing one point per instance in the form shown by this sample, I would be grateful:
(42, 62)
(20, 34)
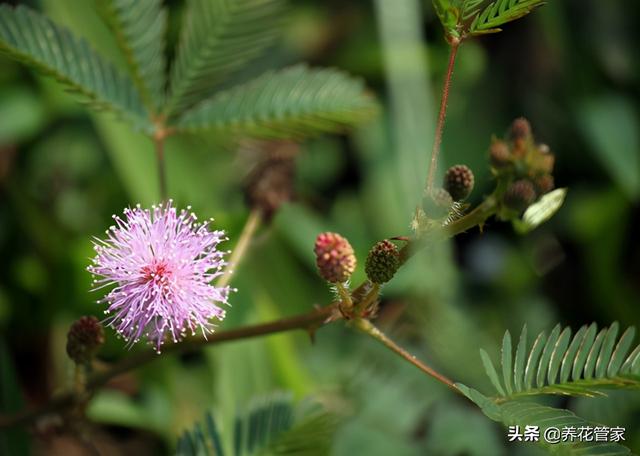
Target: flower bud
(520, 129)
(84, 338)
(544, 184)
(270, 184)
(458, 181)
(335, 258)
(519, 195)
(499, 154)
(382, 262)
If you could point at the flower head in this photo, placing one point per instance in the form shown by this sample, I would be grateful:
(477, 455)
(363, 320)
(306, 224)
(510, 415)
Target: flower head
(161, 262)
(335, 258)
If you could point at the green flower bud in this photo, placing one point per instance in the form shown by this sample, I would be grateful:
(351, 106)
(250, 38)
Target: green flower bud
(382, 262)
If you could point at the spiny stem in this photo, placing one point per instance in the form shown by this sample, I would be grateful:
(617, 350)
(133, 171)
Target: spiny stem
(368, 328)
(249, 229)
(437, 140)
(307, 321)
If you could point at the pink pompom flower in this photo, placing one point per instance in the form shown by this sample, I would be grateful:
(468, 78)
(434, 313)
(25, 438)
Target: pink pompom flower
(161, 263)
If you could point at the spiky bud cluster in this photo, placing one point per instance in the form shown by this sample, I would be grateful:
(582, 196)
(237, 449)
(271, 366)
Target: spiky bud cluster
(335, 257)
(84, 338)
(270, 184)
(519, 195)
(382, 262)
(544, 184)
(458, 181)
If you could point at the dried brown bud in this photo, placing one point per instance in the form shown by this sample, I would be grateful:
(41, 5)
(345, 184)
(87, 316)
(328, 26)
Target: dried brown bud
(271, 182)
(84, 338)
(335, 257)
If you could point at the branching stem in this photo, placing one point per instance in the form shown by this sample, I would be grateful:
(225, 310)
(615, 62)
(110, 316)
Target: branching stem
(307, 321)
(368, 328)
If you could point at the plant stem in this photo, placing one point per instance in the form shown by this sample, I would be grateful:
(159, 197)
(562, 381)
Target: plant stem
(249, 229)
(158, 142)
(368, 299)
(368, 328)
(437, 140)
(307, 321)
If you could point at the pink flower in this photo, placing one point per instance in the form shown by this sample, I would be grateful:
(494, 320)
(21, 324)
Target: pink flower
(162, 264)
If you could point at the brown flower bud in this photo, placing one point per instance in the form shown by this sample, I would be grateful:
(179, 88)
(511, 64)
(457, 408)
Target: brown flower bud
(519, 195)
(335, 258)
(458, 181)
(544, 184)
(499, 154)
(520, 129)
(84, 338)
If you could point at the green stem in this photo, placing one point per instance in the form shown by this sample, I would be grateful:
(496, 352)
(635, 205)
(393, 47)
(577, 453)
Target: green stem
(368, 299)
(248, 231)
(368, 328)
(158, 141)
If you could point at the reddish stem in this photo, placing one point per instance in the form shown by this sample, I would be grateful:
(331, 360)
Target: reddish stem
(437, 141)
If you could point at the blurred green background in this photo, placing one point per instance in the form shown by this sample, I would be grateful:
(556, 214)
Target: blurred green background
(571, 67)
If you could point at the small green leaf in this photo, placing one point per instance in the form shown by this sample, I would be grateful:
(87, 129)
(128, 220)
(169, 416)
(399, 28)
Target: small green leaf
(541, 211)
(491, 372)
(583, 352)
(532, 361)
(557, 355)
(449, 14)
(618, 357)
(570, 355)
(546, 356)
(590, 366)
(507, 357)
(521, 353)
(607, 349)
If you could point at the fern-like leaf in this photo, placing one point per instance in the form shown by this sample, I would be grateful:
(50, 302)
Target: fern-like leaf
(559, 364)
(291, 103)
(526, 413)
(271, 426)
(218, 38)
(499, 13)
(35, 40)
(139, 27)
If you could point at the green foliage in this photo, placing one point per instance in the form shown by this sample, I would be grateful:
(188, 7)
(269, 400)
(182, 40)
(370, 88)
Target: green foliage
(462, 18)
(293, 102)
(526, 413)
(33, 39)
(558, 364)
(499, 13)
(218, 38)
(271, 426)
(139, 27)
